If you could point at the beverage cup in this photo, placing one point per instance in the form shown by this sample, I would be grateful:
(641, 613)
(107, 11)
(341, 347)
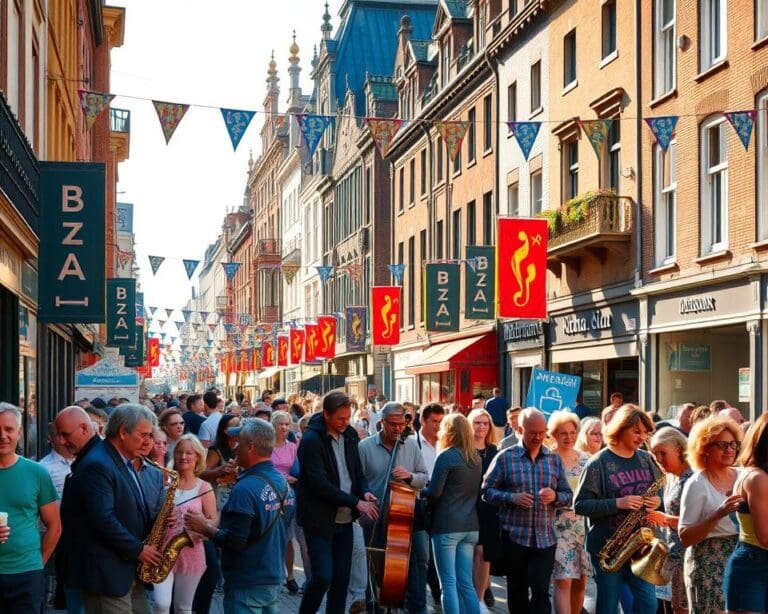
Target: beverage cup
(3, 519)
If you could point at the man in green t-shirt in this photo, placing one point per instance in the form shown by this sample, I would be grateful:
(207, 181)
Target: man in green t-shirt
(26, 494)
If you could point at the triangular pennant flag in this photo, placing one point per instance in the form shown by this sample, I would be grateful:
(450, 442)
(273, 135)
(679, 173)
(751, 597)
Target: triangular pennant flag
(230, 268)
(312, 129)
(204, 315)
(123, 258)
(453, 135)
(213, 327)
(742, 122)
(152, 311)
(228, 327)
(155, 262)
(383, 132)
(186, 313)
(168, 312)
(179, 323)
(355, 271)
(170, 115)
(93, 103)
(397, 271)
(525, 134)
(289, 272)
(663, 129)
(190, 266)
(324, 272)
(161, 322)
(597, 133)
(237, 123)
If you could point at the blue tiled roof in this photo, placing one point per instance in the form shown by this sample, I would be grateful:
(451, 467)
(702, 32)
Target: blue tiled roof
(367, 41)
(457, 8)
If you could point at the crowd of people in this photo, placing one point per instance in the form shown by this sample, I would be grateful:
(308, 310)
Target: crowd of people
(210, 494)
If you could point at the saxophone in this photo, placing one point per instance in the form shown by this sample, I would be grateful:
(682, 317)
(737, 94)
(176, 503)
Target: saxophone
(633, 540)
(155, 575)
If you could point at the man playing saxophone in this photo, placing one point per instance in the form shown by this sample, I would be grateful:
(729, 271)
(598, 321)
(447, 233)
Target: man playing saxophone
(616, 484)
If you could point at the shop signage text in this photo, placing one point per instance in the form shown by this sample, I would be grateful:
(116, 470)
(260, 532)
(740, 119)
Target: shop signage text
(480, 275)
(121, 312)
(575, 325)
(10, 267)
(697, 304)
(522, 330)
(442, 294)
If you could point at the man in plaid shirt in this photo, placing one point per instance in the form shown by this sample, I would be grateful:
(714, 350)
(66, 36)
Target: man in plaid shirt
(528, 483)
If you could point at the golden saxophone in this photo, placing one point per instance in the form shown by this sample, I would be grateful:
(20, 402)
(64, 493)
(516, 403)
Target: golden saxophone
(173, 548)
(633, 540)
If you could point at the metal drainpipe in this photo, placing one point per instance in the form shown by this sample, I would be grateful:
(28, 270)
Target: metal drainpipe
(430, 214)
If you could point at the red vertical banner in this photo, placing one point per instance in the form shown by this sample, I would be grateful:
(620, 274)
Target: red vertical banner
(282, 350)
(255, 359)
(297, 345)
(268, 354)
(521, 268)
(223, 363)
(244, 361)
(153, 352)
(326, 347)
(385, 315)
(312, 338)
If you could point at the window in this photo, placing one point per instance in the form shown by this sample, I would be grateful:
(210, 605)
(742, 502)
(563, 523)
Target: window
(536, 86)
(446, 62)
(665, 48)
(439, 240)
(513, 199)
(665, 203)
(512, 8)
(412, 181)
(512, 102)
(471, 222)
(423, 167)
(609, 28)
(487, 122)
(714, 186)
(536, 193)
(456, 235)
(401, 190)
(456, 162)
(612, 161)
(571, 169)
(471, 136)
(411, 280)
(712, 32)
(488, 218)
(400, 254)
(761, 19)
(439, 159)
(569, 58)
(762, 165)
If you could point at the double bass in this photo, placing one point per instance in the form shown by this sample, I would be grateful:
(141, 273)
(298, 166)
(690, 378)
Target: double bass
(390, 552)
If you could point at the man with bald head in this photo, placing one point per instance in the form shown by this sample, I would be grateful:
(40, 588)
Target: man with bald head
(733, 413)
(528, 483)
(75, 431)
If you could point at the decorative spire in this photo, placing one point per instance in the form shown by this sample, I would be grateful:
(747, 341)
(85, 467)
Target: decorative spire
(272, 79)
(326, 28)
(294, 50)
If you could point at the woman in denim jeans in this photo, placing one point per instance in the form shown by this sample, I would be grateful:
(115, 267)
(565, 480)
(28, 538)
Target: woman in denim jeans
(452, 493)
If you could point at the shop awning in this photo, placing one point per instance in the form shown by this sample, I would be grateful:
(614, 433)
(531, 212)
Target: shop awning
(442, 356)
(269, 372)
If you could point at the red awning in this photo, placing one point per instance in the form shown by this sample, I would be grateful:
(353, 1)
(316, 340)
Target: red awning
(449, 355)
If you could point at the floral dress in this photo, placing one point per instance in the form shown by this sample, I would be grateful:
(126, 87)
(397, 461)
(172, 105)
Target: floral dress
(571, 558)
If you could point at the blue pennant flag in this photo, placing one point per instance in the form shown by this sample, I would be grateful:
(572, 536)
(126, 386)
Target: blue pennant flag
(162, 336)
(237, 123)
(155, 262)
(186, 313)
(324, 272)
(742, 122)
(397, 271)
(152, 311)
(178, 323)
(228, 327)
(204, 315)
(312, 128)
(209, 342)
(230, 268)
(190, 266)
(663, 129)
(525, 134)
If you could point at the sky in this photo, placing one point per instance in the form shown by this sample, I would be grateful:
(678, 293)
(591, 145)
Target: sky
(211, 53)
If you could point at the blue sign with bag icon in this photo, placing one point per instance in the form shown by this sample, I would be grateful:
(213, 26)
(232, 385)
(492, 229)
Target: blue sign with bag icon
(551, 391)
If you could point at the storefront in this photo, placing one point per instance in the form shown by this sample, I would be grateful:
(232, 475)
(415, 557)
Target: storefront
(705, 345)
(455, 371)
(598, 343)
(521, 349)
(404, 385)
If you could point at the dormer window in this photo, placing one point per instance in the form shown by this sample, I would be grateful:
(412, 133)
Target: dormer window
(445, 56)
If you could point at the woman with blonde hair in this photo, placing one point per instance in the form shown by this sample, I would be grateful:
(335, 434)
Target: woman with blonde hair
(590, 439)
(192, 495)
(486, 440)
(669, 448)
(572, 565)
(612, 485)
(705, 526)
(452, 493)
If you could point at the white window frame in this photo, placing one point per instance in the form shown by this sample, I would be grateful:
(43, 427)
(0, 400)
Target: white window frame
(536, 86)
(665, 49)
(610, 150)
(570, 56)
(714, 184)
(609, 47)
(665, 198)
(761, 139)
(537, 192)
(761, 19)
(713, 19)
(513, 199)
(570, 170)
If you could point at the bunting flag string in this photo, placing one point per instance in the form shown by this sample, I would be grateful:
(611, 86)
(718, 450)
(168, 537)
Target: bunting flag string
(230, 268)
(93, 104)
(124, 258)
(663, 129)
(397, 271)
(170, 115)
(525, 134)
(312, 128)
(155, 262)
(742, 122)
(324, 272)
(237, 123)
(355, 271)
(383, 132)
(190, 266)
(169, 312)
(597, 133)
(453, 134)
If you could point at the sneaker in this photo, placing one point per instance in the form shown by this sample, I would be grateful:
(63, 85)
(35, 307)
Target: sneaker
(292, 586)
(488, 598)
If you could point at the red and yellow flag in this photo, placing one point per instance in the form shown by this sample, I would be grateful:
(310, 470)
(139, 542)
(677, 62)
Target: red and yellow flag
(521, 268)
(385, 315)
(268, 354)
(282, 350)
(326, 347)
(312, 340)
(153, 352)
(245, 362)
(297, 345)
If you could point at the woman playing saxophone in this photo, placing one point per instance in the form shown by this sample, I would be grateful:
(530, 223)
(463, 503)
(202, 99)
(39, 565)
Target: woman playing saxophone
(617, 483)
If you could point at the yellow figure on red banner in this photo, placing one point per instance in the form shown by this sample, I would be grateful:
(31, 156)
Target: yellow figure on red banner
(522, 261)
(524, 280)
(357, 327)
(388, 317)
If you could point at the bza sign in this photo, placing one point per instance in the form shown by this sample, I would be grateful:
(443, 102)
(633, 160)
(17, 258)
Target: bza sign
(72, 242)
(442, 292)
(480, 295)
(121, 312)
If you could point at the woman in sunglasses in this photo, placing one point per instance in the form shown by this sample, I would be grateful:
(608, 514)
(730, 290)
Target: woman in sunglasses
(706, 526)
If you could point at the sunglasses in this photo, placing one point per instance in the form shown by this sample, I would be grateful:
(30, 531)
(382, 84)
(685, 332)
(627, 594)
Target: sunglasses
(724, 445)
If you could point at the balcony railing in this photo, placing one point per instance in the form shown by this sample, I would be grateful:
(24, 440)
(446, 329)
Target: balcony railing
(19, 172)
(120, 120)
(268, 247)
(603, 223)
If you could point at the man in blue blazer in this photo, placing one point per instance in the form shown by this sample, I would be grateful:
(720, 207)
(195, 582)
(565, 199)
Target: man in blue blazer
(112, 515)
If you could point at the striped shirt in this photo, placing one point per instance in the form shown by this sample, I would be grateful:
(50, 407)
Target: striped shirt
(513, 472)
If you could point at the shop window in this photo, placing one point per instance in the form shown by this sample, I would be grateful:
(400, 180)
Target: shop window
(714, 186)
(665, 203)
(713, 32)
(665, 47)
